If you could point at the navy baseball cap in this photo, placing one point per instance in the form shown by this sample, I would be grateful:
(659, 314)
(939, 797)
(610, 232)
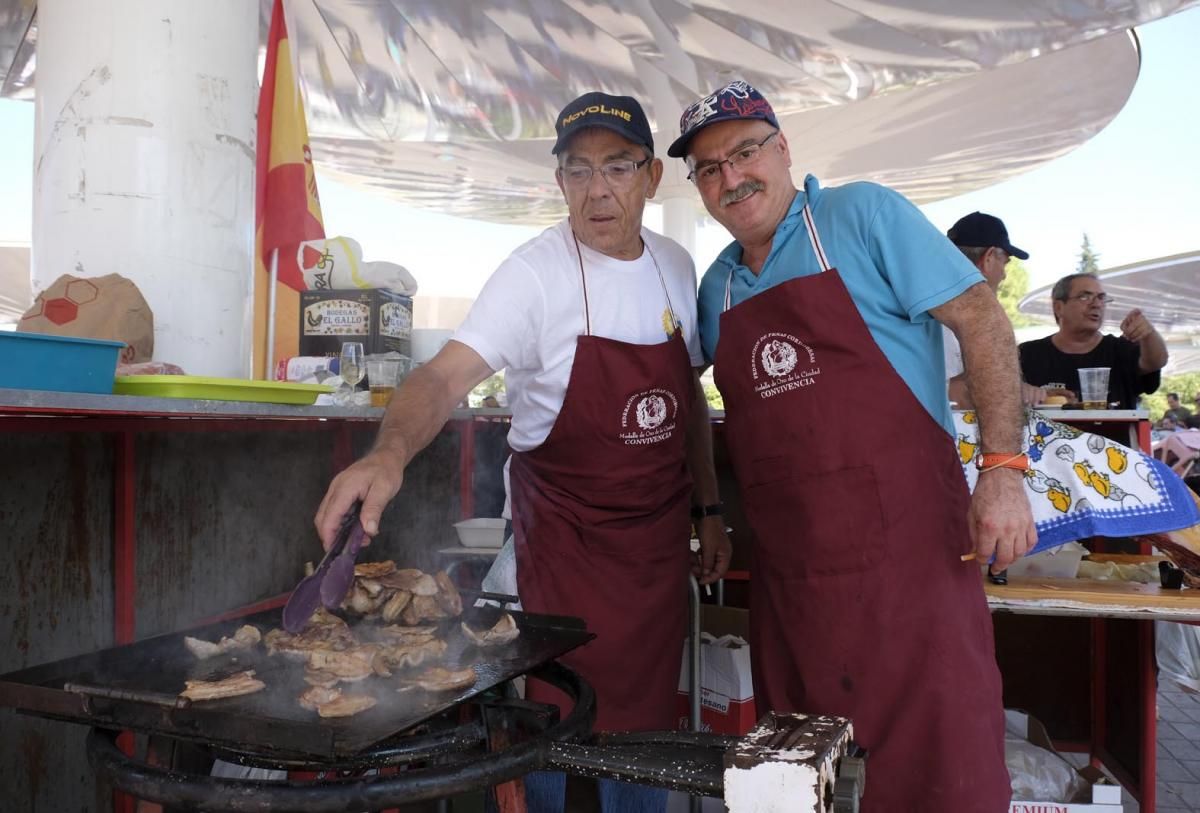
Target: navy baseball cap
(737, 100)
(983, 231)
(621, 114)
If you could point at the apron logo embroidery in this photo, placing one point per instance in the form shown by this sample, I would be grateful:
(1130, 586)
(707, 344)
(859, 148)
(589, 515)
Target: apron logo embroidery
(776, 356)
(653, 413)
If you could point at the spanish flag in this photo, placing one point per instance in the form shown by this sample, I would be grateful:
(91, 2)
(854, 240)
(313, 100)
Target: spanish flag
(287, 210)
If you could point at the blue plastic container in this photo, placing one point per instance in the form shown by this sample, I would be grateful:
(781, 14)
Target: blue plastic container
(34, 361)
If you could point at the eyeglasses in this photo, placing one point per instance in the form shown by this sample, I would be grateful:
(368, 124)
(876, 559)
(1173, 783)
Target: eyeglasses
(707, 173)
(1086, 298)
(615, 173)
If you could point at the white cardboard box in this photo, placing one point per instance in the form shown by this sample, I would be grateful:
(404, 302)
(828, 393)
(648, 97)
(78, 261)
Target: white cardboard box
(727, 690)
(1100, 797)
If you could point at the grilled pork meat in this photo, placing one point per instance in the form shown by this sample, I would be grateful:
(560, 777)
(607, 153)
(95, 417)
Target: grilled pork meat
(349, 665)
(412, 581)
(440, 679)
(244, 638)
(391, 610)
(412, 653)
(373, 570)
(346, 705)
(502, 632)
(232, 686)
(448, 598)
(316, 696)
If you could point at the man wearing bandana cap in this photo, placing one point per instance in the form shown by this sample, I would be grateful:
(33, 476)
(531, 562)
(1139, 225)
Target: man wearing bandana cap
(861, 602)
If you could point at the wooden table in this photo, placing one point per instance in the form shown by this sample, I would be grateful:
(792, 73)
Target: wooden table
(1078, 654)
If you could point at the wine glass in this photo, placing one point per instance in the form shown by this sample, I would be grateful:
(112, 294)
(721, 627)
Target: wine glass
(352, 365)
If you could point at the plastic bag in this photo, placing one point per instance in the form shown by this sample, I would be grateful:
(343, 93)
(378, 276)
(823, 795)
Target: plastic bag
(1038, 775)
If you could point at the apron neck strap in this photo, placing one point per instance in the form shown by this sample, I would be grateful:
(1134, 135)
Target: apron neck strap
(587, 318)
(814, 239)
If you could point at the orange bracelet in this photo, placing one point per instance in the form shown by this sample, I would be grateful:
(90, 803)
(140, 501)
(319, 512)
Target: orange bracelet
(1002, 460)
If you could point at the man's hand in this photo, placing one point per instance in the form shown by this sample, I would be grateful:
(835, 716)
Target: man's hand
(1135, 326)
(1031, 395)
(1000, 520)
(715, 550)
(375, 479)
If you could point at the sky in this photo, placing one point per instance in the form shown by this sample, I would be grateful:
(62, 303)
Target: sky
(1132, 189)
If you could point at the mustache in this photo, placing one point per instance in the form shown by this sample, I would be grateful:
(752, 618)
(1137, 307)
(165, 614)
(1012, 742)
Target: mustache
(744, 189)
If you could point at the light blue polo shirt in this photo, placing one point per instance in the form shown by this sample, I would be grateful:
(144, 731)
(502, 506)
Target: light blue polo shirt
(895, 264)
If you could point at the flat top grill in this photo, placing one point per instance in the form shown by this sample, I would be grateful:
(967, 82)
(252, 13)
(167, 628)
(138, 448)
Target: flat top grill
(139, 682)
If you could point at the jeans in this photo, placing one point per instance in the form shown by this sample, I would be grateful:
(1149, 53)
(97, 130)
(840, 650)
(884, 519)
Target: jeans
(545, 792)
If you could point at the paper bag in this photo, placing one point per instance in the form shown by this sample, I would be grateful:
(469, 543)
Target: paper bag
(109, 307)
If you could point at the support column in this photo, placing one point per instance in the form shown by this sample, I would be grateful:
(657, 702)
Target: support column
(144, 163)
(681, 217)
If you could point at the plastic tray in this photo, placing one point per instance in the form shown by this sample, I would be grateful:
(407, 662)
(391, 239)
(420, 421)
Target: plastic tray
(199, 388)
(36, 361)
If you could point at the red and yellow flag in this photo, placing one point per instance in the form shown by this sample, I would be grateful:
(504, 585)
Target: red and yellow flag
(286, 208)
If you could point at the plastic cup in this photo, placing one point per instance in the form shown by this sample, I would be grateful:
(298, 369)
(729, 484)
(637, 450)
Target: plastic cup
(383, 374)
(1093, 387)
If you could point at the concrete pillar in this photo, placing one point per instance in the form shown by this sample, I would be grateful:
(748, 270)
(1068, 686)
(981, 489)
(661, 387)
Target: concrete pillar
(144, 163)
(681, 217)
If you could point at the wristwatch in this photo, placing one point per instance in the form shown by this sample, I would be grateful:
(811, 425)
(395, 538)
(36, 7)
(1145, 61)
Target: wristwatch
(702, 511)
(1002, 460)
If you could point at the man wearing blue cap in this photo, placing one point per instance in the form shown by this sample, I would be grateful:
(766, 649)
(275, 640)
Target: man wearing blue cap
(595, 322)
(861, 603)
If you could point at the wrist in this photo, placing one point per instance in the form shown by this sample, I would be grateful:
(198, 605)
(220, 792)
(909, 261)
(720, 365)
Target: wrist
(710, 511)
(996, 461)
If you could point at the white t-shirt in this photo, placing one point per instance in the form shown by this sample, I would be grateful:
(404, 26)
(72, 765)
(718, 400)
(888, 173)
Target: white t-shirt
(953, 353)
(531, 310)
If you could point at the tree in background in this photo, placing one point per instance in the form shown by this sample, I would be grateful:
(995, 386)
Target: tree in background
(713, 395)
(492, 385)
(1089, 260)
(1014, 287)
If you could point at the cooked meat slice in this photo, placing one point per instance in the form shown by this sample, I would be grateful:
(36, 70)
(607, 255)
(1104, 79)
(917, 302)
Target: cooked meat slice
(440, 679)
(422, 608)
(396, 632)
(411, 580)
(413, 654)
(324, 618)
(319, 677)
(502, 632)
(326, 635)
(201, 648)
(315, 696)
(246, 637)
(346, 705)
(372, 586)
(398, 601)
(448, 598)
(358, 600)
(232, 686)
(373, 570)
(350, 665)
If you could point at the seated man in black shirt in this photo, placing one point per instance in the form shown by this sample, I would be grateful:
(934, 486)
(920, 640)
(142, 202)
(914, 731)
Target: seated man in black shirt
(1134, 358)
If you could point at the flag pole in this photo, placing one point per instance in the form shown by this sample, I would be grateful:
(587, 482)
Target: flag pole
(268, 371)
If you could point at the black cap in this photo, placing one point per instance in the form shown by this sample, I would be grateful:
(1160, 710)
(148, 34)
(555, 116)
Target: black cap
(983, 231)
(621, 114)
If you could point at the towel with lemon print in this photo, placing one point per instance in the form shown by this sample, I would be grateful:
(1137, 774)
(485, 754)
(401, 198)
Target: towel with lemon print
(1082, 485)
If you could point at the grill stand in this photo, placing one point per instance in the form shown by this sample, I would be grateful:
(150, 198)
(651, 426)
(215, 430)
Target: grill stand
(509, 738)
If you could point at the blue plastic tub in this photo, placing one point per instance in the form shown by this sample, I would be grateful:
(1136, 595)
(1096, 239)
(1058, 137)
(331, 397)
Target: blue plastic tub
(33, 361)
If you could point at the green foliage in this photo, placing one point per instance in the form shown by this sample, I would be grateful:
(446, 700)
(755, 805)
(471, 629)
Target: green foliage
(1186, 384)
(1014, 287)
(713, 396)
(1089, 260)
(493, 385)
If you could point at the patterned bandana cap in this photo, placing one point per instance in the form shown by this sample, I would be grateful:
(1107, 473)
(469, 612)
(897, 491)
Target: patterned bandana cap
(737, 100)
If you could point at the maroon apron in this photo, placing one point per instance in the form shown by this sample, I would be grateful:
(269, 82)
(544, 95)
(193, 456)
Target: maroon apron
(601, 521)
(860, 605)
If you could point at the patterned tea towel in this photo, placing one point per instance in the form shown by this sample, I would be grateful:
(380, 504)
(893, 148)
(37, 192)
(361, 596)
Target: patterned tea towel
(1082, 485)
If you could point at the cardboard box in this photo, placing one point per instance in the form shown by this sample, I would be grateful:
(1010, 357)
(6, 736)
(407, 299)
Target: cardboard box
(727, 691)
(1099, 797)
(379, 318)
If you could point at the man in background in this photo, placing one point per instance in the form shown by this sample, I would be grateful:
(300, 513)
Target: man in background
(984, 240)
(1134, 358)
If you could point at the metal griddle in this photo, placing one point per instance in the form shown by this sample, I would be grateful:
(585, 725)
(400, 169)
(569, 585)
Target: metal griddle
(138, 684)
